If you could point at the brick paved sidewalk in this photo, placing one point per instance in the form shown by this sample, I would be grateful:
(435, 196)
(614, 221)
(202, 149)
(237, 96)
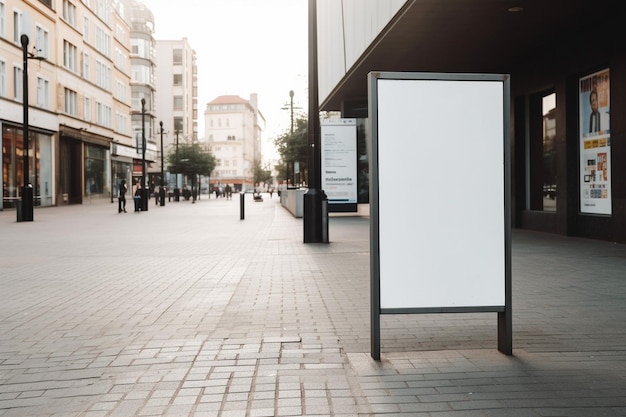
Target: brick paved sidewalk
(186, 310)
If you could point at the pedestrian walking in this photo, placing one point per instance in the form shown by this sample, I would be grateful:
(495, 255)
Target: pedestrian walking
(121, 199)
(137, 198)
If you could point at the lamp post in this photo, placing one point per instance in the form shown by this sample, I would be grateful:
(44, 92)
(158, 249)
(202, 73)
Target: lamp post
(162, 190)
(144, 189)
(25, 209)
(290, 108)
(315, 215)
(176, 189)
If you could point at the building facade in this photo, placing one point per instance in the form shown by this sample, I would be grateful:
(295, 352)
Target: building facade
(143, 88)
(566, 65)
(177, 94)
(78, 97)
(233, 129)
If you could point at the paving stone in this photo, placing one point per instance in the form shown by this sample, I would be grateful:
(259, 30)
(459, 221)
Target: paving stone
(204, 314)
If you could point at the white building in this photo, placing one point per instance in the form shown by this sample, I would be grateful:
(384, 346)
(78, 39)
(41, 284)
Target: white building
(233, 128)
(177, 92)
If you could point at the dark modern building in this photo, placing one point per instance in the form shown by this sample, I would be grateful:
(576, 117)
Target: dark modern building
(567, 65)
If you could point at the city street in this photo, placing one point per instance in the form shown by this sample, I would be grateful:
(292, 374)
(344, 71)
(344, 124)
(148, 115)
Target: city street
(187, 310)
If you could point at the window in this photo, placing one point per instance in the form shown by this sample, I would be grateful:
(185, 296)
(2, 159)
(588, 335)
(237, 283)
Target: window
(87, 108)
(2, 21)
(120, 59)
(178, 124)
(43, 93)
(103, 75)
(70, 102)
(69, 13)
(120, 90)
(86, 59)
(103, 41)
(120, 32)
(69, 56)
(86, 29)
(549, 152)
(178, 79)
(178, 102)
(3, 79)
(18, 83)
(103, 114)
(177, 56)
(121, 122)
(17, 26)
(42, 42)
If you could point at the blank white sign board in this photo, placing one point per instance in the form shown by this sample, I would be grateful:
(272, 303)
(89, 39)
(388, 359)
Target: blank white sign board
(440, 193)
(440, 197)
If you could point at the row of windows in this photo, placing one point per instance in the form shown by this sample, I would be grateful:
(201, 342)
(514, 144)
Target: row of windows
(41, 46)
(228, 173)
(226, 162)
(222, 107)
(103, 114)
(219, 123)
(103, 111)
(43, 86)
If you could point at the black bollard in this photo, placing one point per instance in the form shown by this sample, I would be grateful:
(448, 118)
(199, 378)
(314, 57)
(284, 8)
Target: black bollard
(242, 206)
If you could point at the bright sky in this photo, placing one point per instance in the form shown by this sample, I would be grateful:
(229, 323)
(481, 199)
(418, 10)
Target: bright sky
(243, 47)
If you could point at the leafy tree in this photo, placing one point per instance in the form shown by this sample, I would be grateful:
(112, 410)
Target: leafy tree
(192, 160)
(292, 147)
(261, 174)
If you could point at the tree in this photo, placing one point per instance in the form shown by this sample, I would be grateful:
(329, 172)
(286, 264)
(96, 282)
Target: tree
(191, 161)
(292, 147)
(260, 173)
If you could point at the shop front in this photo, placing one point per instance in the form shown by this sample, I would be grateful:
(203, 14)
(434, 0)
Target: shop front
(84, 167)
(40, 163)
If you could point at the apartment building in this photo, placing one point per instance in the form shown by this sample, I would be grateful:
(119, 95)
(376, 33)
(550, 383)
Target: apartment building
(78, 95)
(143, 88)
(233, 128)
(177, 93)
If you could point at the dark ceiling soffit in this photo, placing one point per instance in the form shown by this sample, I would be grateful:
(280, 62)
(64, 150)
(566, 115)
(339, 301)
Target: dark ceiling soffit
(333, 102)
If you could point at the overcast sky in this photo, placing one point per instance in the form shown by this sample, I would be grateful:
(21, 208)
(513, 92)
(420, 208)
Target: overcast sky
(243, 47)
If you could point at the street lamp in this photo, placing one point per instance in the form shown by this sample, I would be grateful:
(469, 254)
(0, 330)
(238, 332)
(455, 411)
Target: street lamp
(144, 189)
(315, 214)
(291, 108)
(25, 208)
(176, 189)
(162, 190)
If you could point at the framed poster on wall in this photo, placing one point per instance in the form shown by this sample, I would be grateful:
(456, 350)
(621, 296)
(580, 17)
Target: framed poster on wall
(595, 143)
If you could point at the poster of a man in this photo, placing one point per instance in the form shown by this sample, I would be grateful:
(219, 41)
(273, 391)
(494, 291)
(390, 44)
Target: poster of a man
(594, 104)
(595, 143)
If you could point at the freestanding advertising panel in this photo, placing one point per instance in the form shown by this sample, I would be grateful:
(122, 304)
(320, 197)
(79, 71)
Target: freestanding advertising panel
(440, 196)
(339, 163)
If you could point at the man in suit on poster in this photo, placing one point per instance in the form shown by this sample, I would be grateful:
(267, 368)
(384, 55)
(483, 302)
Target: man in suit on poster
(594, 118)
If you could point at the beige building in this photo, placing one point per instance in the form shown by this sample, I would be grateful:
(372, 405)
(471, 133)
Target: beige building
(233, 128)
(78, 98)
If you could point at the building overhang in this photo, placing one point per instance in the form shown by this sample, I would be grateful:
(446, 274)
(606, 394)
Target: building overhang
(486, 36)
